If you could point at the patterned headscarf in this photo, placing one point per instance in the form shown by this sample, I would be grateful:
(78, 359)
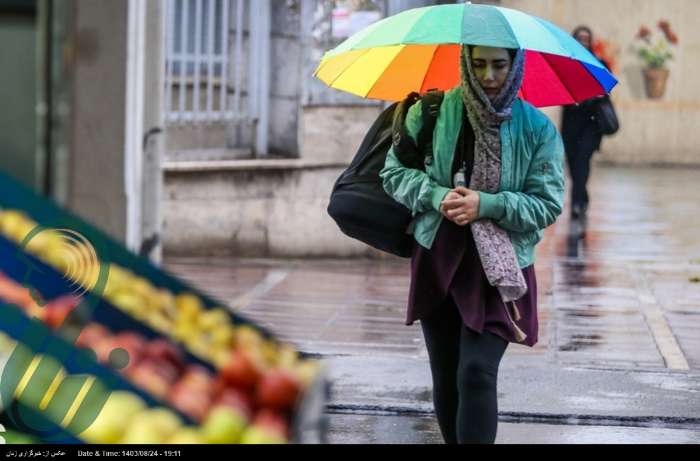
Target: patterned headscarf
(496, 251)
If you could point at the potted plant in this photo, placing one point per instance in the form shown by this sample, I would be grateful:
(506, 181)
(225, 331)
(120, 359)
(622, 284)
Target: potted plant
(655, 54)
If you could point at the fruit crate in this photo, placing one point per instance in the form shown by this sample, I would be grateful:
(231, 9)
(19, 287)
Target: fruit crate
(309, 423)
(38, 340)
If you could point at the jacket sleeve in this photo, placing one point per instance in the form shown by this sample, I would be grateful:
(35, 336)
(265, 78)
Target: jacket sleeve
(541, 201)
(412, 188)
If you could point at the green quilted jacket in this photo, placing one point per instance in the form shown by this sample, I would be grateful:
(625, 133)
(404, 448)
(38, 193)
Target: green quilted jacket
(531, 193)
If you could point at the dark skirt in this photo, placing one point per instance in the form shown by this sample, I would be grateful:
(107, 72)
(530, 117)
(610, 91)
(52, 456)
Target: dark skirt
(452, 267)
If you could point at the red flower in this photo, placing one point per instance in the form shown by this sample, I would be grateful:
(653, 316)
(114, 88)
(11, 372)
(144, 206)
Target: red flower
(598, 47)
(605, 51)
(665, 26)
(644, 33)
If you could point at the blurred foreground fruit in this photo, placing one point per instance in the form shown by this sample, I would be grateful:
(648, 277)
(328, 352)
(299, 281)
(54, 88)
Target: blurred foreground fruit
(279, 390)
(223, 425)
(240, 371)
(152, 426)
(114, 419)
(187, 436)
(256, 435)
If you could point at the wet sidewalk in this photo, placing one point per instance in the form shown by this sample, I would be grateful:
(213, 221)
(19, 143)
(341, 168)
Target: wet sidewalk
(618, 358)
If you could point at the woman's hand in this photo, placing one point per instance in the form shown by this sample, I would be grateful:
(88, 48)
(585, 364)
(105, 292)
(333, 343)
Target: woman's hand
(461, 206)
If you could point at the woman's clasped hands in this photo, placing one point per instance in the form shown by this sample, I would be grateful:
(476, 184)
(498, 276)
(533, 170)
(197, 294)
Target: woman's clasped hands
(461, 206)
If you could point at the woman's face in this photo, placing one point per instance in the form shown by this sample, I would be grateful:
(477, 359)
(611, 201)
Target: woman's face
(584, 38)
(491, 67)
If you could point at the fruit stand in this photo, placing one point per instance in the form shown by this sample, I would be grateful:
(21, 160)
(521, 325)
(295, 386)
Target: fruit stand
(97, 345)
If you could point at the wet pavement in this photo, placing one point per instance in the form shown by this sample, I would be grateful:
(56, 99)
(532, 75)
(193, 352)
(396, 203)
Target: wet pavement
(408, 429)
(618, 360)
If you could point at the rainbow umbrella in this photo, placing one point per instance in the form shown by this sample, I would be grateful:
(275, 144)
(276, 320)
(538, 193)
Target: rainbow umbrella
(418, 49)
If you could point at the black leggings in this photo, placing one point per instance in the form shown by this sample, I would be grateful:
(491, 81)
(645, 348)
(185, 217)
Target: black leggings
(464, 365)
(579, 161)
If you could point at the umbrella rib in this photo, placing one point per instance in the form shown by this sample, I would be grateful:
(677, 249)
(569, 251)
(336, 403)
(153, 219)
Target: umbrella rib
(595, 79)
(376, 82)
(349, 66)
(427, 71)
(512, 32)
(563, 82)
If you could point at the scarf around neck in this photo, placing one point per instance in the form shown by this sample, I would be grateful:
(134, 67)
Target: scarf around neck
(495, 249)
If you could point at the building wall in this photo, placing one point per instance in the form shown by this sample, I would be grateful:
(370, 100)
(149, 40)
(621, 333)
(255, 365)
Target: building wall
(18, 88)
(256, 212)
(98, 129)
(116, 94)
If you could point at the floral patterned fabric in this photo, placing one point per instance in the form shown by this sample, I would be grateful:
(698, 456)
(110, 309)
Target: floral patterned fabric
(485, 116)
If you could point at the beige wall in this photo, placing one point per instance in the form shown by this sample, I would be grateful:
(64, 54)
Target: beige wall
(662, 131)
(256, 212)
(331, 134)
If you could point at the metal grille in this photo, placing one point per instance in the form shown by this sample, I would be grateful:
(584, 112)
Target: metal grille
(204, 60)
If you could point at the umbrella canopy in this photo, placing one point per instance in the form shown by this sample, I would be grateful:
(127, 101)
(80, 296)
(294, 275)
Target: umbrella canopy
(419, 49)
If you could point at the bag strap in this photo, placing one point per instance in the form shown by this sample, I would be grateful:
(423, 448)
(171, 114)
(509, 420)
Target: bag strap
(430, 109)
(408, 153)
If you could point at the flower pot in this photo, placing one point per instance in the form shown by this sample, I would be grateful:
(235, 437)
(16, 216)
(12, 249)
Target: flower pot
(655, 80)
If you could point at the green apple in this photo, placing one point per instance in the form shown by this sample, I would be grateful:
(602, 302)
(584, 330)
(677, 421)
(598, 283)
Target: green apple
(114, 418)
(187, 436)
(165, 420)
(223, 425)
(142, 435)
(152, 426)
(256, 435)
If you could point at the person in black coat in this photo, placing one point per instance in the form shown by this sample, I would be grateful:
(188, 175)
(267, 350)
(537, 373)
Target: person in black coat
(582, 139)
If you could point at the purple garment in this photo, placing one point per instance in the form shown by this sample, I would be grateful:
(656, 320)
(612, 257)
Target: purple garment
(453, 267)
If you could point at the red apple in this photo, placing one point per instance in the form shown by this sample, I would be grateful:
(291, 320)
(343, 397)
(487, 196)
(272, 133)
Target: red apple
(135, 340)
(103, 347)
(162, 368)
(198, 376)
(240, 371)
(278, 390)
(56, 311)
(219, 385)
(192, 403)
(144, 376)
(161, 349)
(134, 345)
(13, 293)
(91, 334)
(238, 400)
(272, 421)
(196, 370)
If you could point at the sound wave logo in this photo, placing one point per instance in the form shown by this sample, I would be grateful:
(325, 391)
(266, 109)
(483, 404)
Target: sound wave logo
(67, 251)
(81, 265)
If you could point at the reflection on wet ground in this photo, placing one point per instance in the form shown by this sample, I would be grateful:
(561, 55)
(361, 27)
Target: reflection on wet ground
(344, 428)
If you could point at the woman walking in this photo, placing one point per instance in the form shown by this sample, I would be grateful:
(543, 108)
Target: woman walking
(473, 285)
(582, 139)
